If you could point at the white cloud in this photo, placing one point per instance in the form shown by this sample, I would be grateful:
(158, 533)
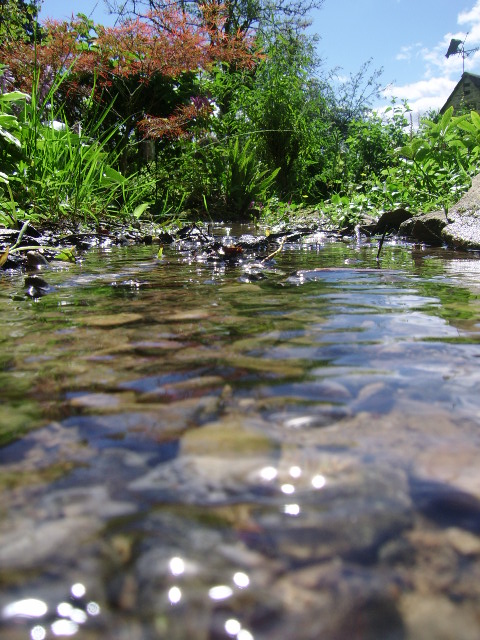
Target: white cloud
(408, 52)
(423, 95)
(424, 88)
(464, 17)
(440, 74)
(471, 21)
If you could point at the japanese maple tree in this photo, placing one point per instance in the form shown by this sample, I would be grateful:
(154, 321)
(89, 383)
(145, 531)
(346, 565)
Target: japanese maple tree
(147, 65)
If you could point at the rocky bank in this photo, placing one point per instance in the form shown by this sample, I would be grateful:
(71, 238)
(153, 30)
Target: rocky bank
(459, 228)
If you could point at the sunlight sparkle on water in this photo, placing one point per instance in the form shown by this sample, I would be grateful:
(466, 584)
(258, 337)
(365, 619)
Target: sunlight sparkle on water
(318, 481)
(38, 633)
(64, 628)
(268, 473)
(78, 590)
(64, 609)
(78, 615)
(232, 627)
(177, 566)
(220, 592)
(287, 488)
(93, 608)
(28, 608)
(174, 595)
(241, 580)
(299, 422)
(291, 509)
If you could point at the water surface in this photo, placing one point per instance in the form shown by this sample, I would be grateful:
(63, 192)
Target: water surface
(288, 450)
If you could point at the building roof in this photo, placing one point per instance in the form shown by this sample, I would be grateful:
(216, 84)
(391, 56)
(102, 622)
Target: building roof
(474, 78)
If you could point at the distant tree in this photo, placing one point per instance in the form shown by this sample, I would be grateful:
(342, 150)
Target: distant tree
(284, 106)
(18, 20)
(352, 98)
(242, 15)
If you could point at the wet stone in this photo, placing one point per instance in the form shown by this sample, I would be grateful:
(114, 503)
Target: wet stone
(463, 542)
(347, 600)
(35, 260)
(346, 520)
(109, 320)
(8, 236)
(437, 617)
(32, 544)
(102, 401)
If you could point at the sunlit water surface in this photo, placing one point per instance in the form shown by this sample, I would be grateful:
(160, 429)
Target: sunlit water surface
(285, 451)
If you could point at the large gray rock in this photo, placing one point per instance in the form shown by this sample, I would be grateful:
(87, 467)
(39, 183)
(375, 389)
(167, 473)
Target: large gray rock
(460, 228)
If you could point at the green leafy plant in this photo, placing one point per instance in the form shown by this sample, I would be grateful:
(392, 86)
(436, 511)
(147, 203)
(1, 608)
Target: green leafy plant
(245, 180)
(11, 152)
(51, 171)
(437, 160)
(276, 211)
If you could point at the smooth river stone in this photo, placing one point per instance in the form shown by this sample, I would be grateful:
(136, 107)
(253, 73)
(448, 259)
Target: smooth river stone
(113, 320)
(439, 618)
(189, 314)
(457, 466)
(230, 437)
(102, 401)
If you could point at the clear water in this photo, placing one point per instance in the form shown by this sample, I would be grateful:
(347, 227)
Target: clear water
(207, 451)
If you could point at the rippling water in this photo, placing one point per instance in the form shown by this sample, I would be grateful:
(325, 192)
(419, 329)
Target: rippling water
(283, 451)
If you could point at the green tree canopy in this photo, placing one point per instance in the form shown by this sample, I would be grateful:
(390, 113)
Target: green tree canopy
(18, 19)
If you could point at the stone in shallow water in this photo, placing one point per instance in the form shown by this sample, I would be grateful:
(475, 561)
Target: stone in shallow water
(232, 437)
(266, 366)
(183, 388)
(59, 523)
(189, 314)
(217, 462)
(36, 260)
(153, 347)
(460, 469)
(140, 424)
(463, 542)
(437, 617)
(37, 286)
(109, 320)
(339, 601)
(350, 516)
(31, 544)
(102, 401)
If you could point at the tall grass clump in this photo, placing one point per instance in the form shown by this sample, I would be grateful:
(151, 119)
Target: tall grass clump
(57, 173)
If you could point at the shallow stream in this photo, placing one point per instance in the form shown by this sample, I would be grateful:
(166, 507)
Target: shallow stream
(286, 450)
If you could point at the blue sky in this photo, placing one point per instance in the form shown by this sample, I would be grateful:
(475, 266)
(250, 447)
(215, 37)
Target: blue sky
(408, 38)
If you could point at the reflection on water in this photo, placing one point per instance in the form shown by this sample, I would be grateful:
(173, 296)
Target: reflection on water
(205, 450)
(66, 620)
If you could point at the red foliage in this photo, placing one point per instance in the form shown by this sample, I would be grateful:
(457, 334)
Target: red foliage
(167, 42)
(177, 125)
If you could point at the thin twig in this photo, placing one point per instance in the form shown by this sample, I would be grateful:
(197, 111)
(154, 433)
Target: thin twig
(380, 245)
(270, 255)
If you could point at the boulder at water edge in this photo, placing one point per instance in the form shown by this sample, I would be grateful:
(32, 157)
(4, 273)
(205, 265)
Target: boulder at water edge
(459, 228)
